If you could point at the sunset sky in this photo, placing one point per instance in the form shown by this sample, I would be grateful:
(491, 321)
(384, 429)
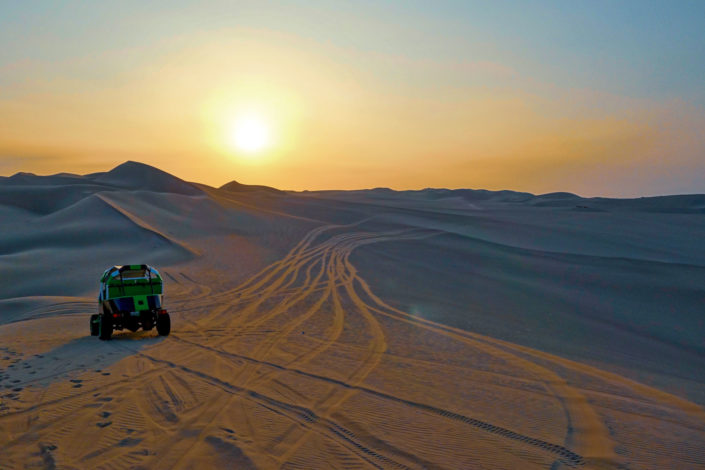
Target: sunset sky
(593, 97)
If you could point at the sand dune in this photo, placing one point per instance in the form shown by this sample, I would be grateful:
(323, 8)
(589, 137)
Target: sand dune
(359, 329)
(236, 187)
(135, 175)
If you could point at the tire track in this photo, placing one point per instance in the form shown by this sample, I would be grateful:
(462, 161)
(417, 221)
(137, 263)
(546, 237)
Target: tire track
(315, 282)
(568, 456)
(304, 417)
(588, 433)
(340, 274)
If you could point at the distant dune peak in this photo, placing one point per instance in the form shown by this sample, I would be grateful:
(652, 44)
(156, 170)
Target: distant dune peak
(136, 175)
(382, 189)
(232, 186)
(133, 168)
(235, 187)
(559, 195)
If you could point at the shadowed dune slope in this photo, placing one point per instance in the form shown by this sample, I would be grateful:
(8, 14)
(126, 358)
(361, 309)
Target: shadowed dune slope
(60, 232)
(619, 287)
(640, 318)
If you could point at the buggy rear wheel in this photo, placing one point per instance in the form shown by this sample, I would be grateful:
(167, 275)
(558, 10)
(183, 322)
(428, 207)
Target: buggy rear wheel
(147, 320)
(94, 325)
(163, 324)
(105, 327)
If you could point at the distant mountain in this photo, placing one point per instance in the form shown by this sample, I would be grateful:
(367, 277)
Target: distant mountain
(47, 194)
(135, 175)
(30, 179)
(682, 204)
(54, 192)
(235, 187)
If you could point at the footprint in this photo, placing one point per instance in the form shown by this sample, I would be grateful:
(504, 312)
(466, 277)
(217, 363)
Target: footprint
(78, 386)
(104, 424)
(17, 389)
(106, 373)
(76, 381)
(142, 452)
(105, 399)
(129, 442)
(104, 414)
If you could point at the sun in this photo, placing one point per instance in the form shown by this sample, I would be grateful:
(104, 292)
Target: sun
(249, 134)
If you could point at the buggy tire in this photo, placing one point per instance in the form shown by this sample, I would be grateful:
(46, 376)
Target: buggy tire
(94, 325)
(163, 324)
(147, 320)
(105, 329)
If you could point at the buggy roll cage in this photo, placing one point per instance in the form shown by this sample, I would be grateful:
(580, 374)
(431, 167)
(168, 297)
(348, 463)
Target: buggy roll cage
(117, 272)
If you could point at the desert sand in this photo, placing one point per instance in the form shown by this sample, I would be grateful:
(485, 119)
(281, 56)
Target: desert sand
(352, 329)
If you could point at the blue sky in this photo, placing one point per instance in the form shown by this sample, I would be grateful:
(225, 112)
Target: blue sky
(580, 60)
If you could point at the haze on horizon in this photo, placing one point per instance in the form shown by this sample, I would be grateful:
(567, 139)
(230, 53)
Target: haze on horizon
(593, 97)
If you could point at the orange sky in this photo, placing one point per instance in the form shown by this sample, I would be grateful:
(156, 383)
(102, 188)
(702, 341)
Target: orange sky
(340, 116)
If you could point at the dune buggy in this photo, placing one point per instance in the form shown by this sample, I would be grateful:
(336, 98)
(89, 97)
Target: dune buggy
(130, 298)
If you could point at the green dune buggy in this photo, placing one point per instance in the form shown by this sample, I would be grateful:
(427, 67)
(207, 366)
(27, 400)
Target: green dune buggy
(130, 298)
